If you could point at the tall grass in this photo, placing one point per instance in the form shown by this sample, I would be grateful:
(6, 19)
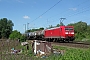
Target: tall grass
(72, 54)
(69, 54)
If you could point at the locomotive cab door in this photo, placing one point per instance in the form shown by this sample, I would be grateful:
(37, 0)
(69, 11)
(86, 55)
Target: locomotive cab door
(61, 33)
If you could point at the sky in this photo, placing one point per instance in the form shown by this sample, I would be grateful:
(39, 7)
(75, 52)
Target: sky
(42, 13)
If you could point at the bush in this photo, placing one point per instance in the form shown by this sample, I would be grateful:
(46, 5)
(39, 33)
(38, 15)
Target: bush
(22, 39)
(17, 35)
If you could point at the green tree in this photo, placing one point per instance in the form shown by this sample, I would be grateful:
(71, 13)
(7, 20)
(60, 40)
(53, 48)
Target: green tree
(81, 29)
(23, 38)
(41, 28)
(50, 26)
(15, 35)
(6, 27)
(88, 31)
(57, 25)
(32, 30)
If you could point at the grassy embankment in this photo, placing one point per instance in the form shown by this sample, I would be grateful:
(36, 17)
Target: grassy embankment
(69, 54)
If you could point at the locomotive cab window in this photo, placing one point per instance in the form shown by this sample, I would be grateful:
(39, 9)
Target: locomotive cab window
(68, 28)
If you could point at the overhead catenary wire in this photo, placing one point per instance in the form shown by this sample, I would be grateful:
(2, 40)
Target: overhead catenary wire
(75, 13)
(85, 9)
(68, 10)
(47, 10)
(79, 12)
(69, 16)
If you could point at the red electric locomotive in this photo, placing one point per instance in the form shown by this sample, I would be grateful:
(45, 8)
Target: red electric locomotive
(62, 33)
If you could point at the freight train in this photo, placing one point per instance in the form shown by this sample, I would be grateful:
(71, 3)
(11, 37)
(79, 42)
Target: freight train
(61, 33)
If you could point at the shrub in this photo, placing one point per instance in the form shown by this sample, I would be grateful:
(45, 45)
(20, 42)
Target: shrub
(22, 39)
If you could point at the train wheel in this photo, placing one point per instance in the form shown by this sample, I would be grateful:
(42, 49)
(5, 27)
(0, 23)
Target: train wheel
(52, 39)
(45, 39)
(49, 39)
(56, 40)
(64, 40)
(68, 41)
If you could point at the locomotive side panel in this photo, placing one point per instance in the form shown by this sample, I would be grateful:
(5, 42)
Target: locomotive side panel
(52, 33)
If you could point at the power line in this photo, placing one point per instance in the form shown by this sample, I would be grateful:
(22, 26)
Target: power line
(68, 10)
(78, 12)
(48, 10)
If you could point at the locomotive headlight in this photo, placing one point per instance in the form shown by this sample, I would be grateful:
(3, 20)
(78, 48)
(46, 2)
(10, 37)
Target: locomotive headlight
(72, 32)
(66, 32)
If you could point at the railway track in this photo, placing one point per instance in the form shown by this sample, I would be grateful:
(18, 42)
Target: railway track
(74, 44)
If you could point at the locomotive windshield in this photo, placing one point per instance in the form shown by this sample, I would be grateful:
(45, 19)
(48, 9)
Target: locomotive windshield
(68, 28)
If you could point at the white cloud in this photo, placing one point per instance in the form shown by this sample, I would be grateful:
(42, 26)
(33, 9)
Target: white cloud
(26, 17)
(74, 9)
